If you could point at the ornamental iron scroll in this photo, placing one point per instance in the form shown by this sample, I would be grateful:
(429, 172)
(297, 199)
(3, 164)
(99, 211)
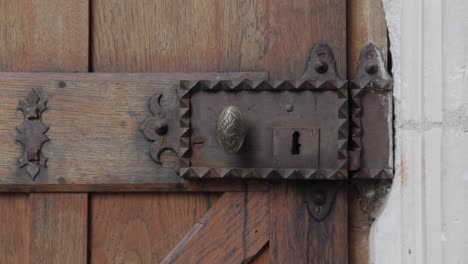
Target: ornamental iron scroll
(156, 127)
(31, 134)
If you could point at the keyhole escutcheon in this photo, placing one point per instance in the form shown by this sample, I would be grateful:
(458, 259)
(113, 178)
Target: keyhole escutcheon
(296, 146)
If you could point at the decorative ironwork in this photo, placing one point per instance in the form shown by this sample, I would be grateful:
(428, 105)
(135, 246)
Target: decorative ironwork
(287, 104)
(321, 199)
(321, 64)
(319, 76)
(372, 78)
(155, 129)
(31, 134)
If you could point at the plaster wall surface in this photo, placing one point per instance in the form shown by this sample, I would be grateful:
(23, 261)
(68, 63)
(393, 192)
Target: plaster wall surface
(425, 219)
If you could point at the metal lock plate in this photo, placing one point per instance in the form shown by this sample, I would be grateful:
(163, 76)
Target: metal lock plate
(294, 130)
(285, 129)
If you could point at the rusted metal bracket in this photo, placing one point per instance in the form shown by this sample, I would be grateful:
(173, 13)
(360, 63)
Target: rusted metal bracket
(370, 148)
(321, 64)
(31, 134)
(372, 195)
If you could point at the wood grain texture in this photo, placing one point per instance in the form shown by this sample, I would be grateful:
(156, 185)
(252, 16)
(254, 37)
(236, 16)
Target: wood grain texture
(293, 27)
(263, 257)
(211, 35)
(49, 35)
(94, 122)
(366, 23)
(211, 185)
(359, 231)
(59, 228)
(169, 36)
(14, 228)
(43, 36)
(142, 228)
(233, 231)
(295, 237)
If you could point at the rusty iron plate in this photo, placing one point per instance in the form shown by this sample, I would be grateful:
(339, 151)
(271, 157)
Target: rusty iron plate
(294, 129)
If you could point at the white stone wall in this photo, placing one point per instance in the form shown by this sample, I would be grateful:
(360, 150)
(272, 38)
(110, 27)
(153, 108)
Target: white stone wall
(426, 217)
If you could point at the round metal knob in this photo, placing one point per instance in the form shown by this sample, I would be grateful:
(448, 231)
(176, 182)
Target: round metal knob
(231, 129)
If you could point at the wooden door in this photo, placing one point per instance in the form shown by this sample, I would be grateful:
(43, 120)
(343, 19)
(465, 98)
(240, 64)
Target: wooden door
(72, 221)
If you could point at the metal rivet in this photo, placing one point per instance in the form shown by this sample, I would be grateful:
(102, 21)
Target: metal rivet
(371, 68)
(318, 197)
(161, 128)
(321, 67)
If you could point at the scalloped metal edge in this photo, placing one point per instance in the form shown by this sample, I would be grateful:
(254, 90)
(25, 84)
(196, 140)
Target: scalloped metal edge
(364, 82)
(187, 88)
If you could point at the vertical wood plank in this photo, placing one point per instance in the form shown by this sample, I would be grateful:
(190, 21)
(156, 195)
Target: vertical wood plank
(366, 23)
(59, 227)
(142, 228)
(151, 36)
(14, 228)
(166, 36)
(210, 35)
(193, 35)
(293, 27)
(49, 35)
(292, 230)
(295, 237)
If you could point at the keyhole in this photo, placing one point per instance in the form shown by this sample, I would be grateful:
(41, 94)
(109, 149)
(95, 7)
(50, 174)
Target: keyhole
(295, 150)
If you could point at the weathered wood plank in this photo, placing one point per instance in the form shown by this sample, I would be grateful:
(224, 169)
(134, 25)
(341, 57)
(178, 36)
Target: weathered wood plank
(210, 35)
(43, 36)
(142, 228)
(47, 35)
(293, 27)
(263, 257)
(94, 125)
(175, 36)
(59, 228)
(296, 237)
(14, 228)
(366, 23)
(233, 231)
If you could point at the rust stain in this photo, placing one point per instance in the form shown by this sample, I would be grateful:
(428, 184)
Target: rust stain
(404, 172)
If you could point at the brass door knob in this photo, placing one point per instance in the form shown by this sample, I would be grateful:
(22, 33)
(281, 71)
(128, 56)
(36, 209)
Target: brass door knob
(231, 129)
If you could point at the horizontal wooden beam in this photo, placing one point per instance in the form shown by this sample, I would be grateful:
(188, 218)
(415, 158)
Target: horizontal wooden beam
(211, 185)
(94, 125)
